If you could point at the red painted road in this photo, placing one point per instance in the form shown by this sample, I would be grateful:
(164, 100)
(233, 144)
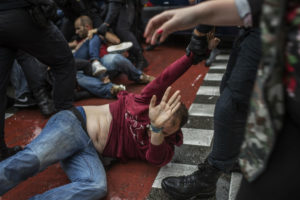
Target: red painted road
(131, 180)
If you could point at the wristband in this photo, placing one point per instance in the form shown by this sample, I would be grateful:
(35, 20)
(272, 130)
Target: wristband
(155, 129)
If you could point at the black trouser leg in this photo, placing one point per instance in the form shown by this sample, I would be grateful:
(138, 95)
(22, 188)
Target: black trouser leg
(47, 45)
(6, 61)
(35, 72)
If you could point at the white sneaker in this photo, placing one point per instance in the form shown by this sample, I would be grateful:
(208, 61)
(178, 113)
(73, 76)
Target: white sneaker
(98, 68)
(119, 48)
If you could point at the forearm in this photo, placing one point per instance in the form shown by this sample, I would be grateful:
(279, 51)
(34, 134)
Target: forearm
(214, 12)
(169, 75)
(157, 138)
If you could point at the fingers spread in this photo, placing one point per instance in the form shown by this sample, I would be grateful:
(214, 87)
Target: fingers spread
(175, 103)
(152, 102)
(166, 94)
(173, 98)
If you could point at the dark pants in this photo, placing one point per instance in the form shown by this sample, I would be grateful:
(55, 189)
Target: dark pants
(281, 177)
(124, 24)
(18, 32)
(232, 107)
(35, 72)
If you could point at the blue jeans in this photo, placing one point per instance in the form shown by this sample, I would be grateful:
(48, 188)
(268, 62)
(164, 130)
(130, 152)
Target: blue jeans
(63, 139)
(232, 107)
(117, 64)
(94, 85)
(18, 80)
(90, 49)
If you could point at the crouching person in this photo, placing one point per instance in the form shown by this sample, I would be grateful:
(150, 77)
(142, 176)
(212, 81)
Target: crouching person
(142, 126)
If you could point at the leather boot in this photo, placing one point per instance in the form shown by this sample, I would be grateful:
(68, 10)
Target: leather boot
(82, 94)
(201, 183)
(141, 61)
(44, 102)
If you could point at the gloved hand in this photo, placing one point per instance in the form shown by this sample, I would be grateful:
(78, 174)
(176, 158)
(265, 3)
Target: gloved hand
(102, 29)
(49, 8)
(43, 10)
(199, 47)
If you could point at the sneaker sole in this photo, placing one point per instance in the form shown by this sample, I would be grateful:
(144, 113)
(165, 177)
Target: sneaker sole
(124, 46)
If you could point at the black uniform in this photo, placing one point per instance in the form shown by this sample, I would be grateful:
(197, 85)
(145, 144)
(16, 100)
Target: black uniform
(47, 44)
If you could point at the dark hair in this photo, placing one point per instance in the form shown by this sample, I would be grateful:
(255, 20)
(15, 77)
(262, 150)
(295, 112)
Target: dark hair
(182, 114)
(85, 20)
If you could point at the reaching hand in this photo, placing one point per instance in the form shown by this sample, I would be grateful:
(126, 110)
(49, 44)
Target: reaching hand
(91, 33)
(162, 112)
(201, 46)
(166, 23)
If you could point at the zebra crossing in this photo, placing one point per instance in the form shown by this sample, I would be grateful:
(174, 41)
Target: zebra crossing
(198, 136)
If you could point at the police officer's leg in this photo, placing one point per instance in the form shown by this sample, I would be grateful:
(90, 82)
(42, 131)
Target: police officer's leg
(48, 46)
(6, 60)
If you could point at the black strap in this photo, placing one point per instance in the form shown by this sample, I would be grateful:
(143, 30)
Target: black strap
(79, 117)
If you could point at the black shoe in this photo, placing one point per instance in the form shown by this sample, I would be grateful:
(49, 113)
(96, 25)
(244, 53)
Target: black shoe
(24, 101)
(141, 62)
(201, 183)
(83, 94)
(212, 57)
(7, 152)
(44, 102)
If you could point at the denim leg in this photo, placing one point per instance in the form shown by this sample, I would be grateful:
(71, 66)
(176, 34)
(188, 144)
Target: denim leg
(83, 51)
(232, 107)
(87, 176)
(116, 64)
(94, 47)
(94, 85)
(61, 138)
(18, 80)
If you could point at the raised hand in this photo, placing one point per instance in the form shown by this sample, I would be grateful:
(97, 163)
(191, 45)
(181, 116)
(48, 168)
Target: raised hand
(161, 113)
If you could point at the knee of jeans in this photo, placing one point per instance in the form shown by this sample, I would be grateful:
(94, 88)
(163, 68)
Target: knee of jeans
(22, 166)
(94, 189)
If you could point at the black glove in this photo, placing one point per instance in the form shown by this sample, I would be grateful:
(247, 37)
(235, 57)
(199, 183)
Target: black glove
(102, 29)
(199, 47)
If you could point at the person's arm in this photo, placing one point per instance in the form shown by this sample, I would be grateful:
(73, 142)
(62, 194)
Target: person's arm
(169, 75)
(215, 12)
(114, 8)
(160, 152)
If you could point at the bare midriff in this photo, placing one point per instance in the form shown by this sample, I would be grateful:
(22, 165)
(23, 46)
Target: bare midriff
(98, 120)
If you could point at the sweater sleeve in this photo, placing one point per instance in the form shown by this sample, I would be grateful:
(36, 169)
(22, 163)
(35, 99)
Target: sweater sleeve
(165, 79)
(160, 155)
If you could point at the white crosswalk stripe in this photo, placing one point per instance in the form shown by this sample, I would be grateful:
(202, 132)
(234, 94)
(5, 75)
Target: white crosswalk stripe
(200, 137)
(202, 110)
(209, 90)
(213, 77)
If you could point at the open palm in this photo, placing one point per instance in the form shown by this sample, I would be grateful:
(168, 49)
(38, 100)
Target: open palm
(162, 112)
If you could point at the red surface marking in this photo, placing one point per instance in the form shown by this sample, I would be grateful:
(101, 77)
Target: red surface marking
(132, 180)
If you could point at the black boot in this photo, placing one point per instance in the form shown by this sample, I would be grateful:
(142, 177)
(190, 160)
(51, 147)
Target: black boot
(44, 102)
(201, 183)
(82, 94)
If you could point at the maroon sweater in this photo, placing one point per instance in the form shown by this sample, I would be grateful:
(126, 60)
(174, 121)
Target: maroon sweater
(128, 137)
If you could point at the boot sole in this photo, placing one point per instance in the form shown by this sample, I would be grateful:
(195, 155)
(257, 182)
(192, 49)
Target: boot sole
(179, 196)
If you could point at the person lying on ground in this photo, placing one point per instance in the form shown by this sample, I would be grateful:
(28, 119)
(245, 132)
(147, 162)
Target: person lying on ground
(143, 126)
